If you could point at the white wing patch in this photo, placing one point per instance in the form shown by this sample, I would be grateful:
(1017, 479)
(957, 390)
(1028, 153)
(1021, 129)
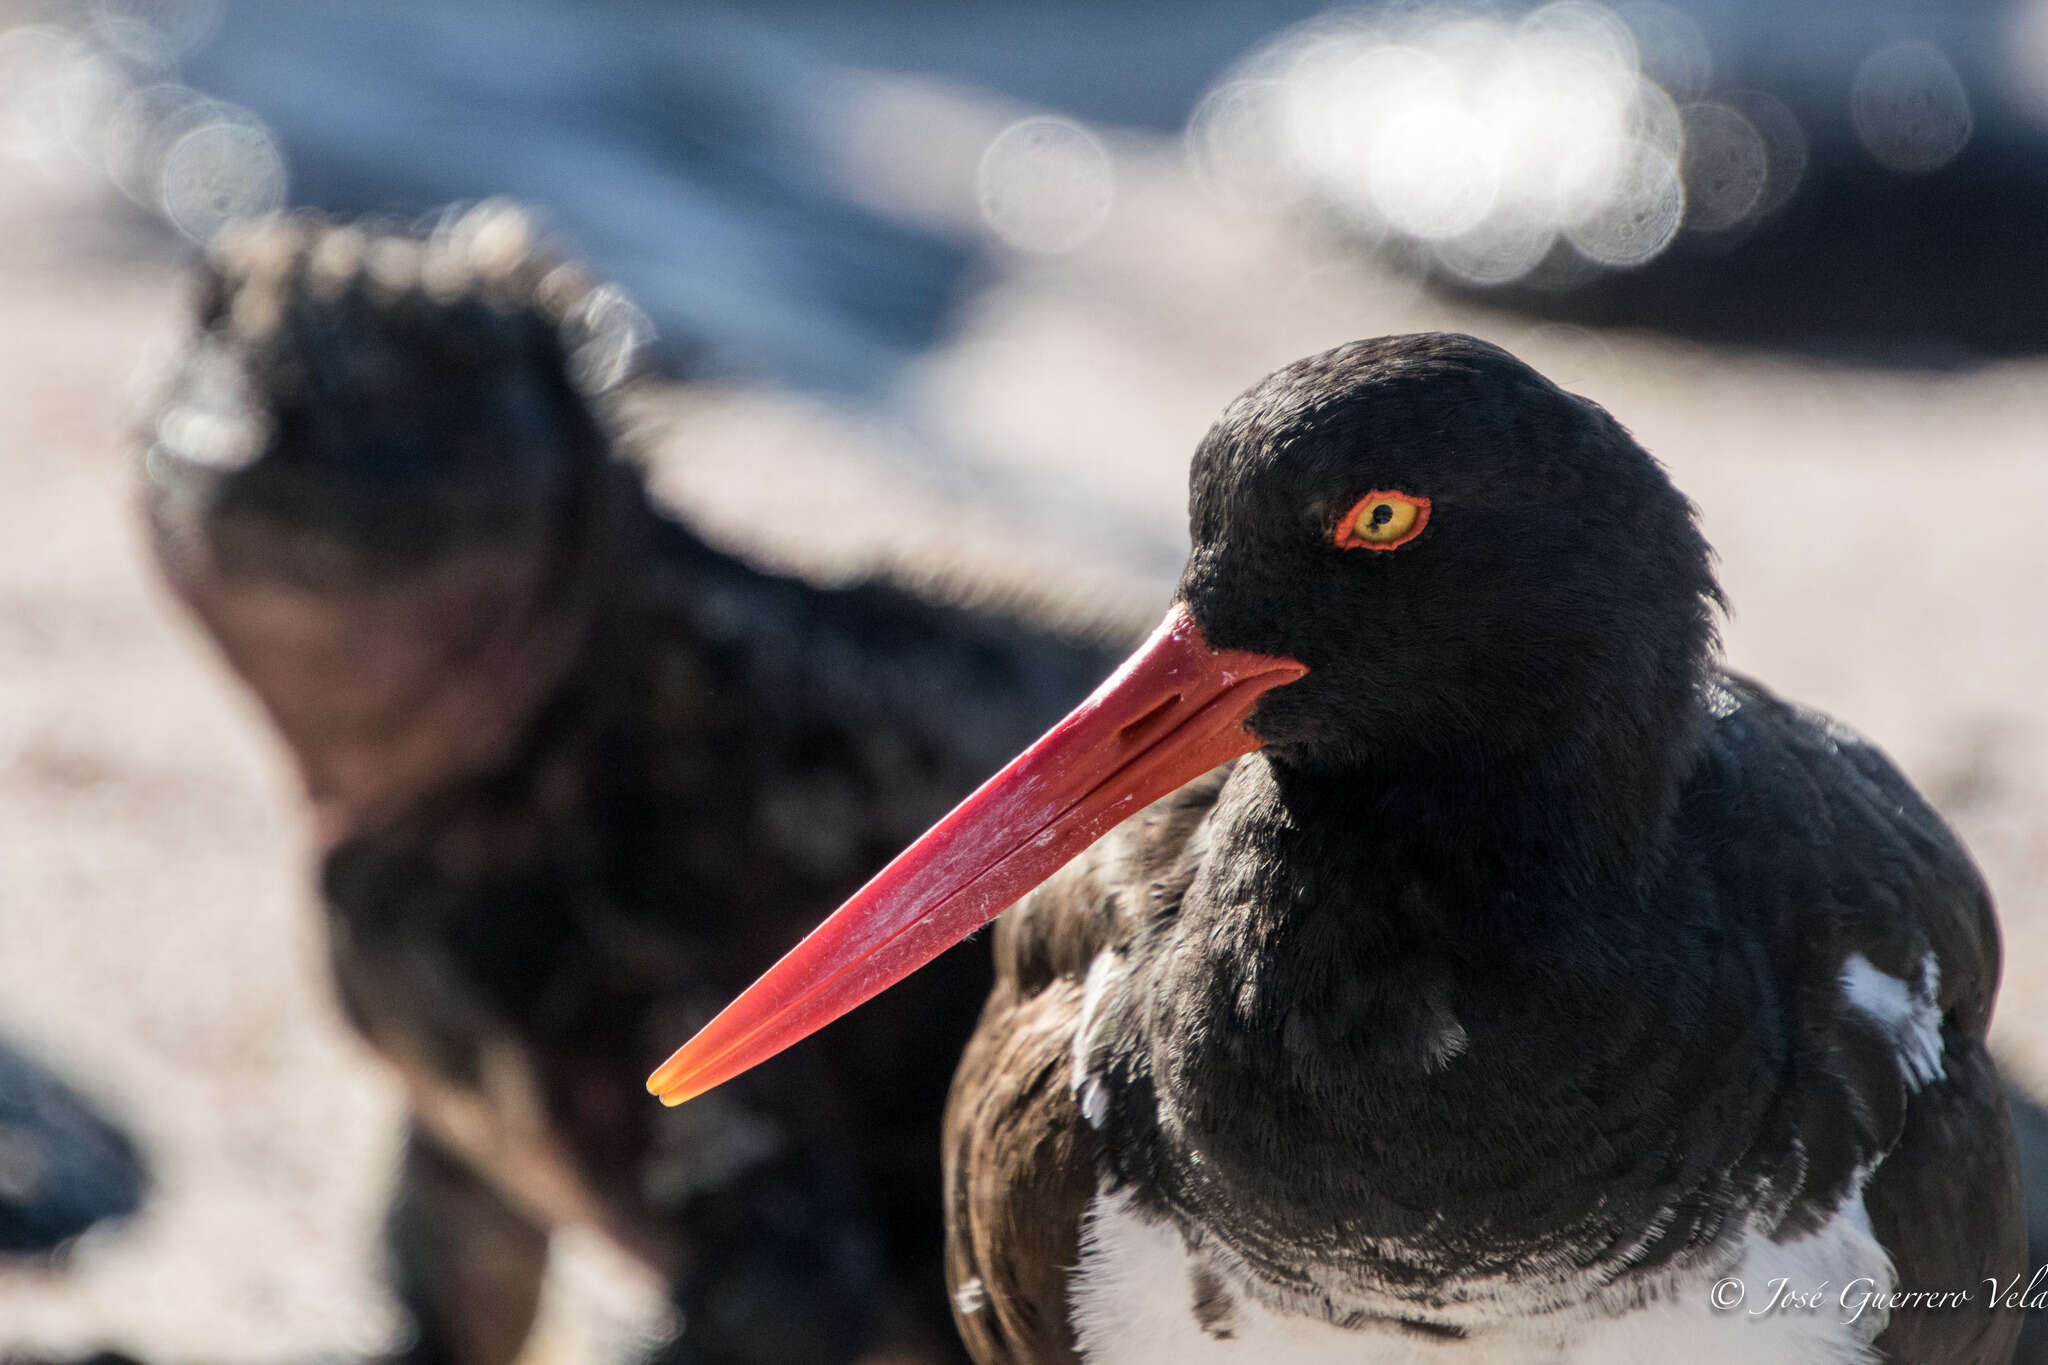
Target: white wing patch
(1909, 1013)
(1140, 1296)
(1088, 1092)
(1447, 1044)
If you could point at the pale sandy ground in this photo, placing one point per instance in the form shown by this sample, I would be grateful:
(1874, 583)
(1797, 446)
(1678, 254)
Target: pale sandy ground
(1881, 537)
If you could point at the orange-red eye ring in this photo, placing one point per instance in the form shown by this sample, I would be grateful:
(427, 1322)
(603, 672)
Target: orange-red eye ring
(1348, 536)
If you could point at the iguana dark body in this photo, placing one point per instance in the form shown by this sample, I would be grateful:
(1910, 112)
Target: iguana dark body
(578, 776)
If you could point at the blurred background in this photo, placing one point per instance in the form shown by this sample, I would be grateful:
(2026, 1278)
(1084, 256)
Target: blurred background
(956, 289)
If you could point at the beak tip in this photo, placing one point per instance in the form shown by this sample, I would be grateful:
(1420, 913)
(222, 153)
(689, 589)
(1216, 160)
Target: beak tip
(673, 1085)
(1102, 762)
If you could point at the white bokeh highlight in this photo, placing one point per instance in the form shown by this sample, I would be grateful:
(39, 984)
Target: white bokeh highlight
(1909, 108)
(225, 169)
(1490, 144)
(1045, 185)
(1727, 165)
(91, 102)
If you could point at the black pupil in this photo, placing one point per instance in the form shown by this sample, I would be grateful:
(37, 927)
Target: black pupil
(1382, 513)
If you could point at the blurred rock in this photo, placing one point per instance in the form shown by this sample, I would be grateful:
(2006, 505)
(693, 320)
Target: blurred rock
(63, 1167)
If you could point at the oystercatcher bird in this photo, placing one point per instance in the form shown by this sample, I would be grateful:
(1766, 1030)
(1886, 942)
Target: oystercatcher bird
(1525, 978)
(579, 776)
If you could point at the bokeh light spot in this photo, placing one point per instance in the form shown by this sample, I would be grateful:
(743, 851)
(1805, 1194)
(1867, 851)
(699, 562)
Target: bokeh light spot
(1045, 185)
(1503, 248)
(1482, 139)
(1642, 215)
(1432, 172)
(1785, 150)
(1227, 140)
(1910, 108)
(142, 129)
(222, 170)
(1726, 165)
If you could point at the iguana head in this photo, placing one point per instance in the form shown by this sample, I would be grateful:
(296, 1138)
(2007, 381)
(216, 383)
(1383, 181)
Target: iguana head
(382, 478)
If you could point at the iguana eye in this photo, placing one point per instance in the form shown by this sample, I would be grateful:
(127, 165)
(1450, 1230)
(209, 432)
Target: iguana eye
(1383, 519)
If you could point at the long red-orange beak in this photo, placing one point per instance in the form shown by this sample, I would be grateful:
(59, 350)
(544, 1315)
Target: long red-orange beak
(1174, 710)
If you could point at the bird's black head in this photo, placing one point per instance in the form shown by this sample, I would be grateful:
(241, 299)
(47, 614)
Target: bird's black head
(1471, 562)
(1442, 594)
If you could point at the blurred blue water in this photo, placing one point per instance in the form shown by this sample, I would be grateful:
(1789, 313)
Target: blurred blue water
(685, 149)
(676, 143)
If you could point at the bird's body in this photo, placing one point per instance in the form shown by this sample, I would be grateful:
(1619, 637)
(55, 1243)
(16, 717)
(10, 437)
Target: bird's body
(1529, 1179)
(1529, 978)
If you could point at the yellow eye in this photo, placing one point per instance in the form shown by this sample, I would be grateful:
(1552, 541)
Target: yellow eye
(1382, 520)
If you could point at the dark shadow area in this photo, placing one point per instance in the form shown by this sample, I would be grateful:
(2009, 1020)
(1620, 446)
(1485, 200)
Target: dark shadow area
(63, 1167)
(2030, 1126)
